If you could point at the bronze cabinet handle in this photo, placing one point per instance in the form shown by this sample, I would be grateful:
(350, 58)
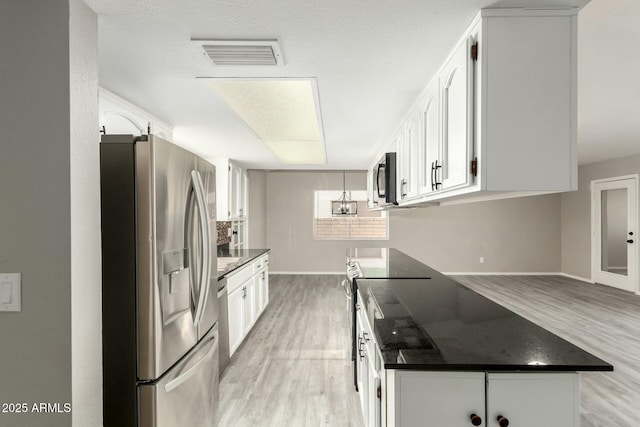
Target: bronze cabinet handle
(475, 419)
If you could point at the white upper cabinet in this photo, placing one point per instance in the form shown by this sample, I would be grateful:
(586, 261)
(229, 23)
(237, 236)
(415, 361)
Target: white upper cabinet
(429, 158)
(498, 119)
(457, 115)
(408, 154)
(232, 188)
(527, 114)
(237, 191)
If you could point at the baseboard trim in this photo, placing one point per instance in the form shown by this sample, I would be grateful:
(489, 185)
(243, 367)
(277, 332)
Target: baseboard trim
(582, 279)
(306, 273)
(502, 273)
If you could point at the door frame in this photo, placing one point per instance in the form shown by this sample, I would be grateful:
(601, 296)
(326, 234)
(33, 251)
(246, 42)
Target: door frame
(595, 247)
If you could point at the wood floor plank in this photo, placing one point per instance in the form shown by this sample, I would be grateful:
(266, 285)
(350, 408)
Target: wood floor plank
(294, 367)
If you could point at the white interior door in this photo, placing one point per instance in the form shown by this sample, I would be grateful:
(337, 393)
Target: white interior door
(615, 232)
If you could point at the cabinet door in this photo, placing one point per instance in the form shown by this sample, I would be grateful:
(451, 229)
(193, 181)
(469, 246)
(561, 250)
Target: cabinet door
(244, 194)
(236, 318)
(457, 123)
(429, 140)
(533, 400)
(409, 159)
(264, 284)
(257, 284)
(359, 353)
(370, 197)
(365, 390)
(235, 191)
(437, 398)
(249, 305)
(373, 383)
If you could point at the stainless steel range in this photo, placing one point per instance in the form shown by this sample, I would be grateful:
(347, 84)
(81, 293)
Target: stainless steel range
(361, 262)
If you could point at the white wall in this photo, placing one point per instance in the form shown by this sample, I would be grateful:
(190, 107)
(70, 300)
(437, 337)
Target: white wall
(86, 290)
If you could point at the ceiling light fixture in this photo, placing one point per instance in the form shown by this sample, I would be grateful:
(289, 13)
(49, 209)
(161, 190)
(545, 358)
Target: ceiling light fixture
(284, 113)
(344, 206)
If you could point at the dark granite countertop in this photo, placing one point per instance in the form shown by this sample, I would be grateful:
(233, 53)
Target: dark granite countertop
(244, 256)
(387, 263)
(439, 324)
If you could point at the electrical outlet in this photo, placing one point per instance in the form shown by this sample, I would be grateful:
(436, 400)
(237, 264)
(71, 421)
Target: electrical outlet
(481, 260)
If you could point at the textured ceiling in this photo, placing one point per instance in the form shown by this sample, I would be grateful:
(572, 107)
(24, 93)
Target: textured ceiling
(371, 59)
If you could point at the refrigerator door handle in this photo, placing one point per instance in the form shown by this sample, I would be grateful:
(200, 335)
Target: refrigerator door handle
(178, 381)
(189, 244)
(205, 234)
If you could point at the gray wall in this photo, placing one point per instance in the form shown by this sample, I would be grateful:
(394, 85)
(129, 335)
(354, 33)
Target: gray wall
(49, 222)
(35, 219)
(576, 212)
(257, 215)
(290, 221)
(513, 235)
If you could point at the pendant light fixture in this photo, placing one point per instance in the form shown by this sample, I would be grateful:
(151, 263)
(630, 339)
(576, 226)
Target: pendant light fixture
(344, 206)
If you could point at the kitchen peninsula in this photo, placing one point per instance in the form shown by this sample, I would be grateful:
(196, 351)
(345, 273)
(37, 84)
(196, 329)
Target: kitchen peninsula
(430, 351)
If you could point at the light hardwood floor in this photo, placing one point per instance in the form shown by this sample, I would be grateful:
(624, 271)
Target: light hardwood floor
(294, 368)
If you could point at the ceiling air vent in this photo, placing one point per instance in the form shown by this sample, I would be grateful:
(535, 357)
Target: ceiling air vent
(242, 52)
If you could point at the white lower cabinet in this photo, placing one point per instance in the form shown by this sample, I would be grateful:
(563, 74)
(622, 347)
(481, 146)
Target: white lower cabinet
(417, 398)
(263, 289)
(248, 296)
(236, 318)
(456, 399)
(249, 313)
(368, 365)
(374, 415)
(533, 400)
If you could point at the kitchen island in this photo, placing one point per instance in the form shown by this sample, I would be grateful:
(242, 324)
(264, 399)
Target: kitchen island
(432, 352)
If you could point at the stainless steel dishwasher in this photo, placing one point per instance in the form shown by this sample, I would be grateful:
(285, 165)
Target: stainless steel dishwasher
(223, 321)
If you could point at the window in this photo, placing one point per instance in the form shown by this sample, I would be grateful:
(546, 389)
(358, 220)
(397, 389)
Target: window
(366, 225)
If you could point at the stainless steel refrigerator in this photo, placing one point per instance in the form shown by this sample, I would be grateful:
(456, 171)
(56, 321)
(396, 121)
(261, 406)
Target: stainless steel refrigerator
(159, 284)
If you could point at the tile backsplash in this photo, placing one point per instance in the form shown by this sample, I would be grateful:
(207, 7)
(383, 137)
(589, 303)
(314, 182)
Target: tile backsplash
(223, 232)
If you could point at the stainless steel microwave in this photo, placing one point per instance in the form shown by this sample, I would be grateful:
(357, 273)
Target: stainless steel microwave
(384, 181)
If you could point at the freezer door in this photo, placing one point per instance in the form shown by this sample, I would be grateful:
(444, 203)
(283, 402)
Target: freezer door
(211, 310)
(173, 254)
(187, 395)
